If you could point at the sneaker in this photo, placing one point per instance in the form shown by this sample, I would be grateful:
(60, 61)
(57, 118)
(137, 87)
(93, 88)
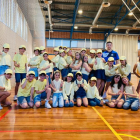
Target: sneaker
(104, 95)
(15, 98)
(105, 101)
(47, 105)
(1, 107)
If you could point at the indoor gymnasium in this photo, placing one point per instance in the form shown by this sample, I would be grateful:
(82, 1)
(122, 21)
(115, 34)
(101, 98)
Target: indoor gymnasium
(69, 69)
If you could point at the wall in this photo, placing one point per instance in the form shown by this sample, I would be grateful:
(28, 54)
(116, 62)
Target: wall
(96, 36)
(9, 36)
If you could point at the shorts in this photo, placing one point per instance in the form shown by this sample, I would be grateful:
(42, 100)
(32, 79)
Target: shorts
(19, 77)
(64, 73)
(100, 74)
(109, 78)
(38, 97)
(116, 96)
(23, 99)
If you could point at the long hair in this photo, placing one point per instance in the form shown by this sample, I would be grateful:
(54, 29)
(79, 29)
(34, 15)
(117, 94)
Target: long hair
(129, 83)
(48, 58)
(57, 71)
(83, 60)
(78, 59)
(119, 82)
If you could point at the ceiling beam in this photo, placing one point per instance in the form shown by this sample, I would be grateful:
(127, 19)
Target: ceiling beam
(82, 4)
(77, 2)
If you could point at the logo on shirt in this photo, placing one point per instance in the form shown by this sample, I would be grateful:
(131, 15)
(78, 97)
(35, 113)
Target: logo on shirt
(105, 54)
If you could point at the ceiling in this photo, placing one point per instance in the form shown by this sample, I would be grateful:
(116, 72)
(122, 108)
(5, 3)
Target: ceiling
(64, 15)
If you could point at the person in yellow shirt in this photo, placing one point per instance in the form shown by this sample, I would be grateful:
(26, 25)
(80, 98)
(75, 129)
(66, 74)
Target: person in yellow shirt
(124, 68)
(68, 91)
(42, 50)
(99, 70)
(42, 90)
(6, 61)
(80, 87)
(63, 65)
(69, 59)
(91, 60)
(110, 71)
(136, 71)
(20, 63)
(60, 48)
(35, 62)
(55, 59)
(5, 87)
(93, 94)
(46, 66)
(25, 92)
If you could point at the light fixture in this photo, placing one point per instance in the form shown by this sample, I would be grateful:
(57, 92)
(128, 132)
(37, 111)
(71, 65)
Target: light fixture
(75, 27)
(116, 29)
(80, 11)
(130, 13)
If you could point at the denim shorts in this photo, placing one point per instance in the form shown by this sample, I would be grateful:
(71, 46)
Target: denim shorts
(19, 77)
(23, 99)
(38, 97)
(116, 96)
(3, 68)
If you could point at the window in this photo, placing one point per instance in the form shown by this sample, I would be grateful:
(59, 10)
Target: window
(12, 16)
(139, 45)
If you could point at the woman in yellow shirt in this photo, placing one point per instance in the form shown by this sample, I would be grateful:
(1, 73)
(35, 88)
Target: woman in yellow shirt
(6, 61)
(35, 62)
(124, 68)
(45, 65)
(137, 73)
(5, 87)
(55, 59)
(26, 91)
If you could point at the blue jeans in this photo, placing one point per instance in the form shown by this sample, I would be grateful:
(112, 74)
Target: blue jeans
(58, 100)
(35, 71)
(131, 102)
(3, 68)
(74, 75)
(19, 77)
(38, 98)
(55, 68)
(49, 74)
(69, 104)
(23, 99)
(64, 72)
(94, 102)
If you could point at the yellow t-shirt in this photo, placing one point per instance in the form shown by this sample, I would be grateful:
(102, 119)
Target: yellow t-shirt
(41, 57)
(62, 63)
(44, 64)
(22, 60)
(39, 86)
(5, 83)
(27, 90)
(35, 61)
(56, 60)
(6, 59)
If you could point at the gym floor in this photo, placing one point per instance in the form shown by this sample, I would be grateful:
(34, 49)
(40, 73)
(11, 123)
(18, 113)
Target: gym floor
(90, 123)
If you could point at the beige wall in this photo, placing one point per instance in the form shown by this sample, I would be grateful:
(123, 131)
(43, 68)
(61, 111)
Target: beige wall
(9, 36)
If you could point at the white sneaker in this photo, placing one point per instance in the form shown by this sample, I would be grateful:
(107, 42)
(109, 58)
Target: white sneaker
(104, 95)
(1, 107)
(15, 98)
(47, 105)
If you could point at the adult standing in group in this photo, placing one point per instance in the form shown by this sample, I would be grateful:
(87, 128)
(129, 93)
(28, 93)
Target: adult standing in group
(110, 53)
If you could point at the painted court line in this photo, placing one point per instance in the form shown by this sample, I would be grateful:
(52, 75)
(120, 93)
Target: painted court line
(5, 114)
(109, 126)
(130, 136)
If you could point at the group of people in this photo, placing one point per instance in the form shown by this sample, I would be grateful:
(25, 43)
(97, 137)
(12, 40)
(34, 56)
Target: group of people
(85, 78)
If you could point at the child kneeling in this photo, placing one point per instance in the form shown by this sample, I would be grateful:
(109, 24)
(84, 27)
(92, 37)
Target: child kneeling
(42, 90)
(57, 85)
(80, 87)
(93, 94)
(68, 91)
(25, 90)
